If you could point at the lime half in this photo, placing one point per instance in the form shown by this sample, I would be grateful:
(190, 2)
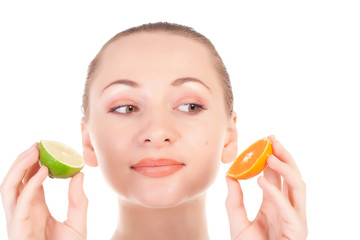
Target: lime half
(61, 160)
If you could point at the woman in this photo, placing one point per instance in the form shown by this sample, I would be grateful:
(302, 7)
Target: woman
(158, 119)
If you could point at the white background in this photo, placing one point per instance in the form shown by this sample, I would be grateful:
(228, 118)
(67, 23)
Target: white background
(295, 70)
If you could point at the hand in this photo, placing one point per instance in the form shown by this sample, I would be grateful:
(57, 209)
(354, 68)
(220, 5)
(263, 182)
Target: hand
(282, 214)
(27, 215)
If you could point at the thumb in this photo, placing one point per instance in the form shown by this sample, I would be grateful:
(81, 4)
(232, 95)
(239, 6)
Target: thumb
(235, 207)
(78, 204)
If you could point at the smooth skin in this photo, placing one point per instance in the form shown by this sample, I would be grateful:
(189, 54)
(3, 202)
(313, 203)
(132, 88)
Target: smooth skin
(282, 214)
(175, 204)
(27, 215)
(159, 124)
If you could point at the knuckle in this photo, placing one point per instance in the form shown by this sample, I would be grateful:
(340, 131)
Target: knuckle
(302, 184)
(306, 233)
(303, 232)
(3, 189)
(85, 199)
(230, 203)
(82, 200)
(299, 181)
(227, 201)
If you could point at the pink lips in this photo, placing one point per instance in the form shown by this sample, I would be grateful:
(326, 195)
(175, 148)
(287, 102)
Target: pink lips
(151, 167)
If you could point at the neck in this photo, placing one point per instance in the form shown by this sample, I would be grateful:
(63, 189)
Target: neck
(185, 221)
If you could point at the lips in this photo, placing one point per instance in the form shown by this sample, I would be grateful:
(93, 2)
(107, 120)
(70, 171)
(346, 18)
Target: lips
(151, 167)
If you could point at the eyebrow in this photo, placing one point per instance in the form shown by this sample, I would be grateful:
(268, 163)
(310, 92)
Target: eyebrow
(178, 82)
(124, 82)
(181, 81)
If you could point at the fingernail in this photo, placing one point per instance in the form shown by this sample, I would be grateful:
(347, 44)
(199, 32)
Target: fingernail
(272, 136)
(30, 149)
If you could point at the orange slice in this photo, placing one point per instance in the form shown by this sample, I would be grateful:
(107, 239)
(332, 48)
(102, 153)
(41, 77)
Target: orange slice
(252, 161)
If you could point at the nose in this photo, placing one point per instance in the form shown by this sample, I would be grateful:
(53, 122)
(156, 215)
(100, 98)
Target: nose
(158, 131)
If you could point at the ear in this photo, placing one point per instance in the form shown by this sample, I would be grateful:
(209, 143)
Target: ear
(88, 150)
(231, 144)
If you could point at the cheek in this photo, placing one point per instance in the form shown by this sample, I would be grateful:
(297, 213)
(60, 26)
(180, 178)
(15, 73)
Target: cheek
(112, 155)
(204, 159)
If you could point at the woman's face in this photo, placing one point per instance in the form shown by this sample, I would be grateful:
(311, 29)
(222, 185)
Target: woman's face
(157, 97)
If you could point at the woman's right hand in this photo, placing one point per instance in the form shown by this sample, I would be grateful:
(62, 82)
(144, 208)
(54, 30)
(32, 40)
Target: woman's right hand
(27, 215)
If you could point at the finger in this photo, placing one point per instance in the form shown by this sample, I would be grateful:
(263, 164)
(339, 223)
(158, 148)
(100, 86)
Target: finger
(273, 177)
(29, 192)
(10, 186)
(31, 172)
(19, 167)
(284, 207)
(78, 204)
(19, 189)
(286, 189)
(295, 185)
(280, 152)
(26, 151)
(235, 206)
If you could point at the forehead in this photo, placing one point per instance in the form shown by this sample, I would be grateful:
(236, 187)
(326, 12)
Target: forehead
(144, 43)
(157, 52)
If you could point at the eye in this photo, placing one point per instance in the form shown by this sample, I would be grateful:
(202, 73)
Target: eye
(191, 108)
(125, 109)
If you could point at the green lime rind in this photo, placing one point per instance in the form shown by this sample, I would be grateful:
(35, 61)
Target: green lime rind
(56, 168)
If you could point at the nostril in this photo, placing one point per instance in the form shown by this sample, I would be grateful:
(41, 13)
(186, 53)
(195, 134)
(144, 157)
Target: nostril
(165, 140)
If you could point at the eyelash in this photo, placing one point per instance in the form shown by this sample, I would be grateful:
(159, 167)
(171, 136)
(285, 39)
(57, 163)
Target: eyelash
(113, 110)
(199, 106)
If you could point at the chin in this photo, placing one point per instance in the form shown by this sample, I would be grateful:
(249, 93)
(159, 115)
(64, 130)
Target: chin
(167, 192)
(160, 197)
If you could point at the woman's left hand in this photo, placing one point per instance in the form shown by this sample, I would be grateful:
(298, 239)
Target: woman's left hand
(282, 214)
